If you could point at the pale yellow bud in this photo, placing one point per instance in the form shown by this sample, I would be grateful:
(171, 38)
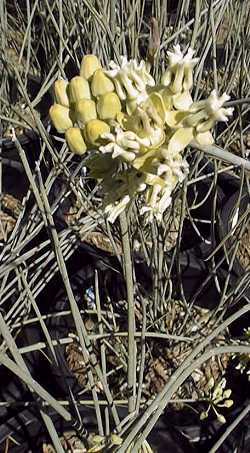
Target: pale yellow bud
(60, 89)
(108, 106)
(95, 449)
(85, 110)
(93, 131)
(227, 393)
(228, 403)
(204, 415)
(75, 141)
(78, 89)
(60, 117)
(116, 440)
(101, 84)
(221, 418)
(97, 439)
(89, 65)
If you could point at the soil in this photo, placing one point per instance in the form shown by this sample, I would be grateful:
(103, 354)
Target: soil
(160, 362)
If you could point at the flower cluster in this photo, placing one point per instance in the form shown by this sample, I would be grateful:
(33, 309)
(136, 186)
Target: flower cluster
(217, 397)
(244, 359)
(136, 130)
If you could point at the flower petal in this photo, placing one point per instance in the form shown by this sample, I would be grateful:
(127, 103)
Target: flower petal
(204, 138)
(181, 138)
(174, 118)
(182, 101)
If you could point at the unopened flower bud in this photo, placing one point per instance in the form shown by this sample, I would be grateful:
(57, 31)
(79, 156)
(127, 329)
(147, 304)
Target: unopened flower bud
(116, 440)
(78, 89)
(227, 393)
(89, 65)
(85, 110)
(228, 403)
(101, 84)
(60, 117)
(93, 131)
(221, 418)
(108, 106)
(75, 141)
(60, 89)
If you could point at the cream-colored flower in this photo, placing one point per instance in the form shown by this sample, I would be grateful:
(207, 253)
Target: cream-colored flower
(157, 201)
(204, 114)
(139, 130)
(130, 79)
(179, 75)
(123, 144)
(121, 190)
(146, 123)
(113, 210)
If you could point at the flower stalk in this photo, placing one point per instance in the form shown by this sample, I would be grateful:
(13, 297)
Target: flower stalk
(131, 312)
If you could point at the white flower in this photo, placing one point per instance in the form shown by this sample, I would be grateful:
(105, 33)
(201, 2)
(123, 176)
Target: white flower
(113, 210)
(125, 144)
(205, 113)
(179, 75)
(130, 79)
(175, 57)
(159, 199)
(213, 106)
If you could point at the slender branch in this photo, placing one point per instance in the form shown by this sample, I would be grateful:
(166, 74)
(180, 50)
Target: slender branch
(131, 313)
(237, 102)
(226, 156)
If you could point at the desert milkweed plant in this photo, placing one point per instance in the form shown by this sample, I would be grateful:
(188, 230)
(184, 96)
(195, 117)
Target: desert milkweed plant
(139, 103)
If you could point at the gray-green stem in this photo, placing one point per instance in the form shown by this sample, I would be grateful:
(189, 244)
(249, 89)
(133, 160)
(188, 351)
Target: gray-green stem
(131, 313)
